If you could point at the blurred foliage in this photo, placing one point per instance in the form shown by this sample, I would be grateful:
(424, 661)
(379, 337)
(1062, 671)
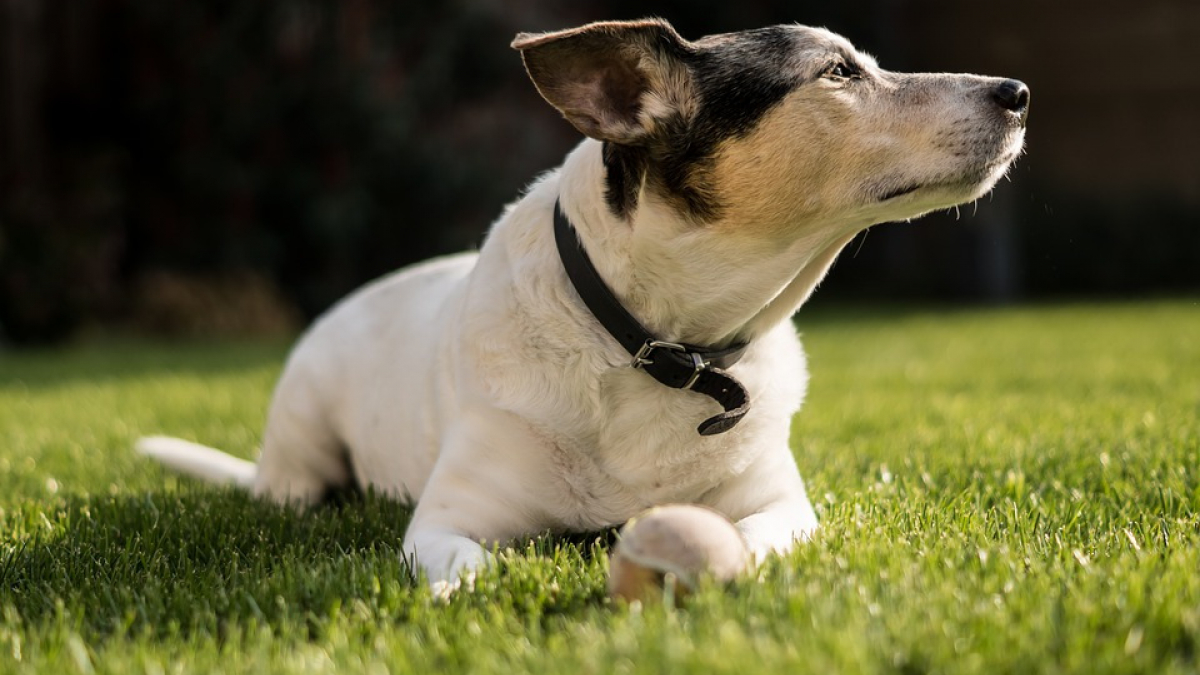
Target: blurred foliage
(317, 144)
(307, 146)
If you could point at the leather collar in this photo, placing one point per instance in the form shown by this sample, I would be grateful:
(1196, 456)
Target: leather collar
(676, 365)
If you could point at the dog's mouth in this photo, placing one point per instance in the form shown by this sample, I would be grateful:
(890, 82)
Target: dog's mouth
(899, 192)
(950, 191)
(981, 173)
(968, 182)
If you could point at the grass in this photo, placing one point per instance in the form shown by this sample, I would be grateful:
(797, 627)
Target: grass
(1010, 490)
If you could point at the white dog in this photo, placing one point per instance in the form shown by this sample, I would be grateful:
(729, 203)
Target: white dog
(719, 180)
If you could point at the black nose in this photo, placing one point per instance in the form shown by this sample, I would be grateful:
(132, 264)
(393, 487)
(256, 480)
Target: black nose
(1012, 95)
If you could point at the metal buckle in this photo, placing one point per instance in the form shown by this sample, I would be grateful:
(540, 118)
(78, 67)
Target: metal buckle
(642, 358)
(639, 359)
(699, 365)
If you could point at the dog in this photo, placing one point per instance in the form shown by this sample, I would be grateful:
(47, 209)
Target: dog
(623, 339)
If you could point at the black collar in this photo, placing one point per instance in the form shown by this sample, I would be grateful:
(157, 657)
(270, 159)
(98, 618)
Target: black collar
(679, 366)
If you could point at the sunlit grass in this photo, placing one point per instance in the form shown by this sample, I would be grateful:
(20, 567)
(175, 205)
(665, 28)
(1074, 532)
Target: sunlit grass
(1001, 491)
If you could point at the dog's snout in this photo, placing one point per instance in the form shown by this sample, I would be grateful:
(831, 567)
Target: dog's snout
(1012, 95)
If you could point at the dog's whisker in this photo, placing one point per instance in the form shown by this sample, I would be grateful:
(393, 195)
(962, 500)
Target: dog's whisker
(861, 241)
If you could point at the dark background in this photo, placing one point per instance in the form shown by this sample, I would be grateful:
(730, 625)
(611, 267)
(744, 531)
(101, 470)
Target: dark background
(235, 166)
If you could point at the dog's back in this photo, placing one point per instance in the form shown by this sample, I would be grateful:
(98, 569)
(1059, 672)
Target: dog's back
(719, 181)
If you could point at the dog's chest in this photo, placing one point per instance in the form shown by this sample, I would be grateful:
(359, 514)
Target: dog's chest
(645, 451)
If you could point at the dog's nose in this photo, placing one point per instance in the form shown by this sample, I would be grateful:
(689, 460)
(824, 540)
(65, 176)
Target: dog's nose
(1012, 95)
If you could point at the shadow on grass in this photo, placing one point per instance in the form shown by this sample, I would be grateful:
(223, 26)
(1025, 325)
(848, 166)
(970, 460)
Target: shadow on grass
(197, 561)
(192, 560)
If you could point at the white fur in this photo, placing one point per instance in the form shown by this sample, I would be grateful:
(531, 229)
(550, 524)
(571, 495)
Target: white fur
(198, 460)
(481, 387)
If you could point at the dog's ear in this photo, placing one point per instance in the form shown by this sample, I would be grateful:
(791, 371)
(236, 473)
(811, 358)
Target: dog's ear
(614, 80)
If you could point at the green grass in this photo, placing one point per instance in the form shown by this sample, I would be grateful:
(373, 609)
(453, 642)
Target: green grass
(1000, 491)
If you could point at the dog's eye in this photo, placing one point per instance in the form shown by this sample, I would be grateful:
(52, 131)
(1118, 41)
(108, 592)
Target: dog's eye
(841, 71)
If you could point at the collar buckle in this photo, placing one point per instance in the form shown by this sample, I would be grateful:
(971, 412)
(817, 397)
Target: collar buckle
(679, 366)
(699, 365)
(642, 358)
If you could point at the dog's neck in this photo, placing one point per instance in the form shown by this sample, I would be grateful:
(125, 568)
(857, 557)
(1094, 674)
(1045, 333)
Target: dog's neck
(684, 282)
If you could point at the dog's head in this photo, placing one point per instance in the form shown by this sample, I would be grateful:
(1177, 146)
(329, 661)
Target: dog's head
(781, 128)
(745, 162)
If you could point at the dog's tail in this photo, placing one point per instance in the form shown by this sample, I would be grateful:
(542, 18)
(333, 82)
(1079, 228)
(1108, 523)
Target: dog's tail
(197, 460)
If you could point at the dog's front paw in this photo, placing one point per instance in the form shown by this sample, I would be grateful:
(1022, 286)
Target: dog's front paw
(777, 531)
(442, 589)
(448, 561)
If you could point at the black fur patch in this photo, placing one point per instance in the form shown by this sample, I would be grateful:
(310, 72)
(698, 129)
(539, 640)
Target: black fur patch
(738, 79)
(625, 168)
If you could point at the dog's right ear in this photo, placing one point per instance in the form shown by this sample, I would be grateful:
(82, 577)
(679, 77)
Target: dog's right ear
(614, 81)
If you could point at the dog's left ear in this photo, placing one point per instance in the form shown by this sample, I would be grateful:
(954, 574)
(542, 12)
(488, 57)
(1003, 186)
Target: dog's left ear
(615, 81)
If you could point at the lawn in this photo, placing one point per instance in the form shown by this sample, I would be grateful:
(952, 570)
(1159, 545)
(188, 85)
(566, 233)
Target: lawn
(1001, 491)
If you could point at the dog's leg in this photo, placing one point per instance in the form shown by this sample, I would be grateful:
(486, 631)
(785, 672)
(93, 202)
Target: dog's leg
(463, 507)
(778, 527)
(302, 457)
(453, 516)
(479, 494)
(769, 505)
(448, 559)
